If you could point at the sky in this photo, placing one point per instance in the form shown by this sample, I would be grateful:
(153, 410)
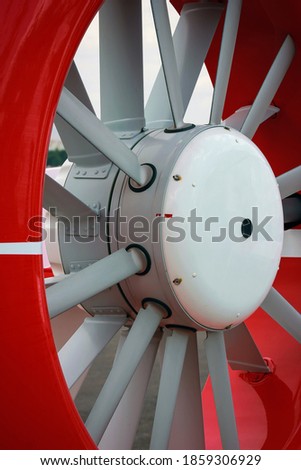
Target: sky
(87, 62)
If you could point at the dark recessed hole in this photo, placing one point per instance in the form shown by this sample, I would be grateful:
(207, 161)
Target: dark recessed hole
(246, 228)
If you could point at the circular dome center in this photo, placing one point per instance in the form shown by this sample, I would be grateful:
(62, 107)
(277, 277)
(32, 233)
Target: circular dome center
(225, 237)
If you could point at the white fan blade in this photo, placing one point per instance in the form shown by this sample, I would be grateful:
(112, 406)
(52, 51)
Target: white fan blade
(269, 87)
(187, 430)
(169, 62)
(225, 60)
(291, 244)
(121, 431)
(142, 331)
(92, 280)
(290, 182)
(173, 361)
(218, 370)
(104, 140)
(197, 25)
(237, 119)
(283, 313)
(121, 66)
(86, 343)
(242, 352)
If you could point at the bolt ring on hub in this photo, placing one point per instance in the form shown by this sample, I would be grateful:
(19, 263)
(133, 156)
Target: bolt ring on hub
(146, 255)
(148, 300)
(140, 189)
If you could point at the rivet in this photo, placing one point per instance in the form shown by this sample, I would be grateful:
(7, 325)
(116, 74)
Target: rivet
(194, 274)
(238, 315)
(193, 185)
(177, 177)
(177, 281)
(94, 206)
(96, 172)
(78, 172)
(72, 266)
(103, 170)
(78, 266)
(84, 173)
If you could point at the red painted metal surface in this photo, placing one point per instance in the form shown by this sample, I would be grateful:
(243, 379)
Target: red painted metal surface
(268, 411)
(38, 40)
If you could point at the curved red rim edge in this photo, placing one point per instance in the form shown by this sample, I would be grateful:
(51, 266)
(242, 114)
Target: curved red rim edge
(39, 38)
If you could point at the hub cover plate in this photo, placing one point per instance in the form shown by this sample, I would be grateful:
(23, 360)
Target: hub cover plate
(223, 244)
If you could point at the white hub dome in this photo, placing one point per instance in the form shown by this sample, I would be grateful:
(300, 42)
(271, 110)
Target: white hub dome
(223, 243)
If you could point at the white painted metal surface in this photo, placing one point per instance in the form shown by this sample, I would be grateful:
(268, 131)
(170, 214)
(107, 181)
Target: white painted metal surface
(225, 59)
(172, 367)
(86, 123)
(91, 280)
(237, 119)
(133, 350)
(63, 327)
(197, 25)
(86, 343)
(218, 276)
(187, 430)
(290, 182)
(269, 87)
(242, 351)
(291, 244)
(49, 281)
(61, 202)
(219, 374)
(283, 313)
(21, 248)
(168, 59)
(51, 248)
(121, 431)
(121, 66)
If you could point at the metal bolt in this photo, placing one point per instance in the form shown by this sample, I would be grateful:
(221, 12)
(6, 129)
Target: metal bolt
(177, 177)
(84, 173)
(194, 274)
(177, 281)
(78, 172)
(96, 172)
